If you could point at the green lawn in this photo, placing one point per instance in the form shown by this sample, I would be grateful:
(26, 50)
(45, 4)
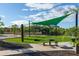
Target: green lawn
(39, 39)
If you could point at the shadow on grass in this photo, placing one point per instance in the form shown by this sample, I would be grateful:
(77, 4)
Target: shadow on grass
(12, 46)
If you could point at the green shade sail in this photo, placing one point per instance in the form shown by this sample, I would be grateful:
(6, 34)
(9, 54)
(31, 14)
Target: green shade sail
(54, 21)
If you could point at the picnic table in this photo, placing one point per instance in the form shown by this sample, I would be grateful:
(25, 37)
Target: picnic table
(49, 41)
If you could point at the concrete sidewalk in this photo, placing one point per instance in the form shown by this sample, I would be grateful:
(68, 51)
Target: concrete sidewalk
(12, 52)
(36, 48)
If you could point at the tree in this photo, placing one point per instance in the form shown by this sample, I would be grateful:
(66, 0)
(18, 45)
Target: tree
(14, 28)
(1, 27)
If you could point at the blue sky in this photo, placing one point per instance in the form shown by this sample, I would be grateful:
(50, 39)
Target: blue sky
(17, 13)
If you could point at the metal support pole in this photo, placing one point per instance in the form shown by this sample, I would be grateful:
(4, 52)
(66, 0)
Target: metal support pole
(35, 29)
(29, 28)
(22, 33)
(49, 30)
(76, 23)
(56, 31)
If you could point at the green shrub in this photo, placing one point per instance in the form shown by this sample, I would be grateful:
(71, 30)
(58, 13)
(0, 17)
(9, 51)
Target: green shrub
(36, 39)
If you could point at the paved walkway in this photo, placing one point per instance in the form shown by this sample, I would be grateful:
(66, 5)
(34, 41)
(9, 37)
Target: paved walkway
(36, 47)
(4, 36)
(12, 52)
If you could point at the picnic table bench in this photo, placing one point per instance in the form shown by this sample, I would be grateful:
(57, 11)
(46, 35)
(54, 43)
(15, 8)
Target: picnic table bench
(49, 41)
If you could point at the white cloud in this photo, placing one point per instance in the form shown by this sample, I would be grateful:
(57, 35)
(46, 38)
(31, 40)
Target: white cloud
(53, 13)
(2, 16)
(37, 17)
(24, 9)
(40, 6)
(69, 7)
(19, 22)
(41, 16)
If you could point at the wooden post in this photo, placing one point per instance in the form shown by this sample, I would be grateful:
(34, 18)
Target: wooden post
(22, 33)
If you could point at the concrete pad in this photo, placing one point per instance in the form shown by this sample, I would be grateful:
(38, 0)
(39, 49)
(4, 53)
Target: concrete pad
(36, 47)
